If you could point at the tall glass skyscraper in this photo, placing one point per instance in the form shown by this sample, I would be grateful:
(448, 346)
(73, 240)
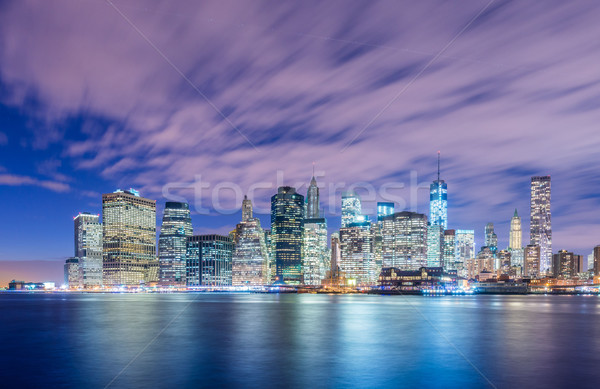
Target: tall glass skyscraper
(384, 209)
(465, 246)
(250, 254)
(438, 201)
(129, 238)
(351, 209)
(209, 260)
(540, 221)
(435, 243)
(449, 253)
(88, 248)
(176, 228)
(287, 234)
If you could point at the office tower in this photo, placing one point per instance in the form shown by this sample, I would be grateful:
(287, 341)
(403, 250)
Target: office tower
(72, 273)
(404, 240)
(287, 234)
(88, 248)
(438, 201)
(315, 259)
(175, 229)
(465, 246)
(351, 209)
(129, 238)
(449, 254)
(250, 254)
(531, 267)
(486, 259)
(503, 261)
(596, 261)
(491, 239)
(357, 260)
(515, 238)
(540, 220)
(384, 209)
(246, 209)
(435, 243)
(312, 199)
(209, 260)
(565, 264)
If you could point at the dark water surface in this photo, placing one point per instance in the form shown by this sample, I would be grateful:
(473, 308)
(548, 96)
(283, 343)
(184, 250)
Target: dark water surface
(298, 341)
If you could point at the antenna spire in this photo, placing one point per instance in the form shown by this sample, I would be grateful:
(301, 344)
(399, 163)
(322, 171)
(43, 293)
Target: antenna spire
(438, 165)
(313, 168)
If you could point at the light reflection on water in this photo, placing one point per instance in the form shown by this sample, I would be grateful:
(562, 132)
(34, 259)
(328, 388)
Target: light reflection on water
(252, 340)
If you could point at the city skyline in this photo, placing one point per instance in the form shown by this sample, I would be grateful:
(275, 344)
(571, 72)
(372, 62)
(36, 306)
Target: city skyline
(287, 90)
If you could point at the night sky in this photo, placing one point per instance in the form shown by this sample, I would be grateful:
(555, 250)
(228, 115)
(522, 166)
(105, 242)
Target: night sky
(227, 96)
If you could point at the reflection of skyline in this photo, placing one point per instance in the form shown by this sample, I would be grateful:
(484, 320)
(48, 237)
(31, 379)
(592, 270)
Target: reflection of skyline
(301, 340)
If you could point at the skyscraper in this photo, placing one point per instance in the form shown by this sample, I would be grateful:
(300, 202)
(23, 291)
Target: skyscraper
(208, 260)
(312, 200)
(287, 234)
(596, 265)
(72, 273)
(449, 254)
(129, 238)
(435, 242)
(565, 264)
(531, 266)
(357, 260)
(315, 257)
(88, 248)
(438, 201)
(515, 238)
(540, 220)
(465, 246)
(404, 240)
(351, 209)
(384, 209)
(176, 228)
(491, 239)
(250, 254)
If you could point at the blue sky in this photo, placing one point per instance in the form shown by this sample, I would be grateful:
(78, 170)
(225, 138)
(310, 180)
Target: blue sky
(96, 96)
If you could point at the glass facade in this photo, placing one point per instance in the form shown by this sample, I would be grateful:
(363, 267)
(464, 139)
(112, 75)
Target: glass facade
(287, 234)
(129, 239)
(435, 244)
(449, 253)
(491, 239)
(464, 249)
(315, 258)
(384, 209)
(88, 248)
(176, 228)
(356, 248)
(351, 209)
(541, 220)
(532, 261)
(209, 260)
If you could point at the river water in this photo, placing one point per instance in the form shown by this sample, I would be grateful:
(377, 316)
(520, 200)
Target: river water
(298, 341)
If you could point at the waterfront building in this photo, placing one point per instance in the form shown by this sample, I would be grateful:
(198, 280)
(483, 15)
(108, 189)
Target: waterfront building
(516, 235)
(565, 264)
(532, 261)
(334, 276)
(596, 267)
(315, 259)
(404, 240)
(449, 252)
(209, 260)
(465, 247)
(540, 221)
(351, 209)
(435, 243)
(357, 259)
(503, 262)
(438, 201)
(72, 273)
(491, 239)
(172, 243)
(384, 209)
(287, 234)
(88, 248)
(129, 238)
(486, 259)
(250, 261)
(424, 278)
